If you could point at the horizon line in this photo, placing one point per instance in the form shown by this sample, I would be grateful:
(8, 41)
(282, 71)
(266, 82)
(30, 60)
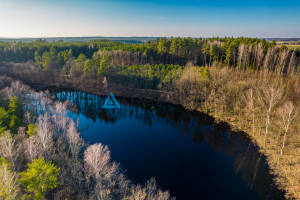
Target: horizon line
(48, 37)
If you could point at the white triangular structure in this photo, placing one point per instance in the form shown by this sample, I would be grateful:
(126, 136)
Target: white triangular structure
(111, 102)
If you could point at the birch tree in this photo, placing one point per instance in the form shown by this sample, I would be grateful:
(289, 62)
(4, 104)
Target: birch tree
(287, 115)
(33, 147)
(270, 97)
(9, 150)
(99, 168)
(9, 187)
(249, 99)
(46, 134)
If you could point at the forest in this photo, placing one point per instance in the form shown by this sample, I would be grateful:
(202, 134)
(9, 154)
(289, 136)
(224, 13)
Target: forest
(249, 83)
(43, 155)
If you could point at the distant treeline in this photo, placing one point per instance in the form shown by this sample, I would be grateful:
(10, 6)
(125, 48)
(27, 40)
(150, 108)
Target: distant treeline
(241, 52)
(130, 40)
(152, 63)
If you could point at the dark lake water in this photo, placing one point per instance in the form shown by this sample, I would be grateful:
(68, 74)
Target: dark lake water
(185, 151)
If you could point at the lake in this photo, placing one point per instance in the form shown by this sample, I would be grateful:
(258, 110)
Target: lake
(186, 151)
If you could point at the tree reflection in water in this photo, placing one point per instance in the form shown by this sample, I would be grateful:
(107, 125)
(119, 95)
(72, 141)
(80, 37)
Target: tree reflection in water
(247, 161)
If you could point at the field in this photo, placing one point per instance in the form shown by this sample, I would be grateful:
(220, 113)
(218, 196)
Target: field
(291, 44)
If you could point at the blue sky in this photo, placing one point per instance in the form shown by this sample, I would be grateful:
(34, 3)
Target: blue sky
(64, 18)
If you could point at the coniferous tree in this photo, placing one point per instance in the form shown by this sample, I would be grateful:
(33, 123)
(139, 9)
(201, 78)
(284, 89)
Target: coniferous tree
(40, 177)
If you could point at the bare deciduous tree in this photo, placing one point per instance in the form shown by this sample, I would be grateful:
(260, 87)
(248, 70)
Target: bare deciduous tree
(270, 97)
(149, 191)
(46, 134)
(287, 114)
(259, 55)
(244, 55)
(9, 186)
(292, 68)
(60, 121)
(270, 59)
(99, 167)
(75, 142)
(9, 150)
(9, 92)
(28, 118)
(249, 99)
(282, 61)
(33, 148)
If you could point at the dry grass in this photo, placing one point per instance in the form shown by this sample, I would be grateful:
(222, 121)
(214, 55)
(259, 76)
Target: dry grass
(227, 103)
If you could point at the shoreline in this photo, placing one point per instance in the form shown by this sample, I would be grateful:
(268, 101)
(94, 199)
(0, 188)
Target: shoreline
(224, 122)
(284, 180)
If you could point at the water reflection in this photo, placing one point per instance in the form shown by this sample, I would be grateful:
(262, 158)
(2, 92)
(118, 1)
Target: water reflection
(241, 155)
